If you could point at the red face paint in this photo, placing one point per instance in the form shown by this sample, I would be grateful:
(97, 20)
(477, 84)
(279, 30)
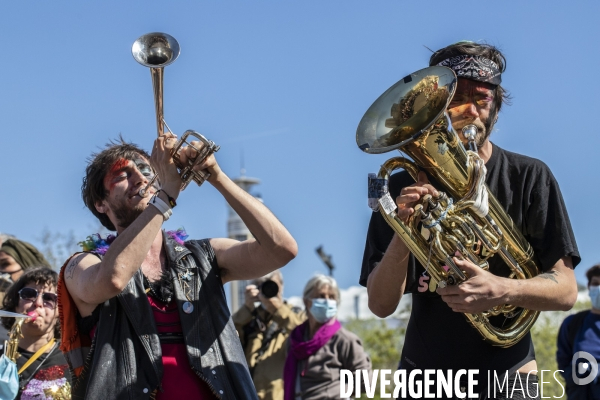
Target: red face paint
(115, 170)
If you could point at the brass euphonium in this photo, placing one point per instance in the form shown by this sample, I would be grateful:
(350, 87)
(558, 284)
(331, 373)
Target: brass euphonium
(411, 117)
(156, 50)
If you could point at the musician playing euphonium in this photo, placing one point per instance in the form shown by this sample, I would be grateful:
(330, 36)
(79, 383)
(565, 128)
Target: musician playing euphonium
(438, 336)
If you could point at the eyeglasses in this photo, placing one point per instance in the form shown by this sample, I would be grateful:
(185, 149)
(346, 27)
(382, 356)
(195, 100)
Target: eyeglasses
(31, 294)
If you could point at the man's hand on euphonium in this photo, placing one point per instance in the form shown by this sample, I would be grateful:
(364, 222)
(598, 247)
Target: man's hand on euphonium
(480, 292)
(411, 195)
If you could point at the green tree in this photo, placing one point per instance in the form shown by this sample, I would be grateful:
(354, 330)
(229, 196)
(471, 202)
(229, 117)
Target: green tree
(381, 342)
(57, 247)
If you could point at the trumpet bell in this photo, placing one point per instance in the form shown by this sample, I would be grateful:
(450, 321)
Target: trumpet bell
(155, 50)
(405, 110)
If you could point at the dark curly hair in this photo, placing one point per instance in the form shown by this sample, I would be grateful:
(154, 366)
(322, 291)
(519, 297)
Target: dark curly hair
(592, 272)
(99, 164)
(501, 95)
(38, 276)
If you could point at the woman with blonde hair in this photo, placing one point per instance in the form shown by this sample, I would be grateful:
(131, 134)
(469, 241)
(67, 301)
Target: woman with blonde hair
(321, 347)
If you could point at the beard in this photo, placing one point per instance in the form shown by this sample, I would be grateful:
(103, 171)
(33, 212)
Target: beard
(483, 130)
(125, 214)
(482, 133)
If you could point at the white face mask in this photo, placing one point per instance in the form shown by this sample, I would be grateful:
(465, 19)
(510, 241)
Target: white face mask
(595, 296)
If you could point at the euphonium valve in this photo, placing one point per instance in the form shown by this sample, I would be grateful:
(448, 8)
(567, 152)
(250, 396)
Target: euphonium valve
(465, 217)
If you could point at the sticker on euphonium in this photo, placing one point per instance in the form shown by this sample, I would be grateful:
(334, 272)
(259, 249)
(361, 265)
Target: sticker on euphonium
(387, 203)
(377, 188)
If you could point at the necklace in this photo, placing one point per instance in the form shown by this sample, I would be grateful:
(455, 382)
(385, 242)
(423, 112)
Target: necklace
(149, 286)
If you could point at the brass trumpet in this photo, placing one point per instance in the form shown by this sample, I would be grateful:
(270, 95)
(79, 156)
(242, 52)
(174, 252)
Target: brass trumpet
(156, 50)
(411, 117)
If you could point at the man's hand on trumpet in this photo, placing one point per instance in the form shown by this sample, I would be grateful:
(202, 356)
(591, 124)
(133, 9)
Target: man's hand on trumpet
(163, 164)
(209, 164)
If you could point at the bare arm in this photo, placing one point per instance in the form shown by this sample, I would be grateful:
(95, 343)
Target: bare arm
(387, 281)
(552, 290)
(555, 289)
(91, 282)
(272, 246)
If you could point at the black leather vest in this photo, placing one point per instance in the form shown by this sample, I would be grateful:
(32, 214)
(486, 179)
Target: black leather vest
(125, 360)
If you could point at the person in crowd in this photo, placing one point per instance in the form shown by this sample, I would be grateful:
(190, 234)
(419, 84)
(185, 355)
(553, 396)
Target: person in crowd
(144, 313)
(581, 332)
(42, 368)
(320, 347)
(263, 330)
(5, 236)
(16, 256)
(438, 335)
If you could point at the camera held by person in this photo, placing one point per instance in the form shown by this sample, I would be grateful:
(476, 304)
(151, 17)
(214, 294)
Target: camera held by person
(263, 323)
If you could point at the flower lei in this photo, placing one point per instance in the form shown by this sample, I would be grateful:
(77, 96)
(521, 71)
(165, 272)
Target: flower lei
(97, 244)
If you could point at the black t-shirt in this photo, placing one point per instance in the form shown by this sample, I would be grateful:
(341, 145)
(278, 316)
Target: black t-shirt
(436, 336)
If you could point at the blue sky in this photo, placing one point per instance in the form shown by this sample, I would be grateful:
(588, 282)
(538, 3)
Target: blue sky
(284, 83)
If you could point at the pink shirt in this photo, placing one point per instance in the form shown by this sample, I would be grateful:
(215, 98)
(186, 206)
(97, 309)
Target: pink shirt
(179, 380)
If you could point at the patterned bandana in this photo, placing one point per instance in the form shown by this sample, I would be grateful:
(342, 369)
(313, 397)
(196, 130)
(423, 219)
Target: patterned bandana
(476, 68)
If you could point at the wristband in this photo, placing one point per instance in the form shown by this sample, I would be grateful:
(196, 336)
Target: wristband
(163, 207)
(172, 201)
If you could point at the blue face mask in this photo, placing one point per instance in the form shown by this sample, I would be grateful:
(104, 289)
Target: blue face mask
(595, 296)
(9, 378)
(323, 309)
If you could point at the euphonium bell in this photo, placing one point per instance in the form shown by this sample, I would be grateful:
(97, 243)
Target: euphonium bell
(156, 50)
(411, 117)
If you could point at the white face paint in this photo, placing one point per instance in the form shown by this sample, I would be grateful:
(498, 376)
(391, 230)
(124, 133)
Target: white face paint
(122, 182)
(144, 167)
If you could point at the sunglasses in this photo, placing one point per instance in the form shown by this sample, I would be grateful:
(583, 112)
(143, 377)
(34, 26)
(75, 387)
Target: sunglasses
(31, 294)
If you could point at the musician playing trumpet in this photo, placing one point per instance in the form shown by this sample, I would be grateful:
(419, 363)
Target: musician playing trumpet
(144, 313)
(438, 336)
